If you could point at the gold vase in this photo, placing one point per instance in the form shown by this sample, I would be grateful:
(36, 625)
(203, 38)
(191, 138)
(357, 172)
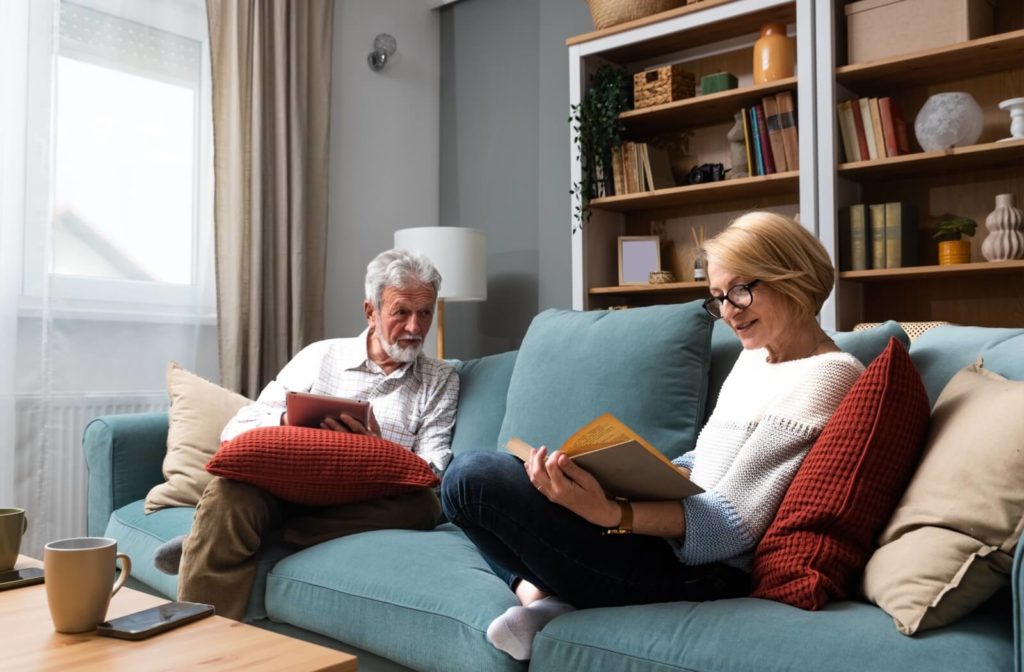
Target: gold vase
(774, 54)
(954, 252)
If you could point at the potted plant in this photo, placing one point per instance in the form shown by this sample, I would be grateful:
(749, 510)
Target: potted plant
(953, 249)
(595, 122)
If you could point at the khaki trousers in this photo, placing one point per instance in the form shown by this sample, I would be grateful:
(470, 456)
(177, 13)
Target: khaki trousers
(232, 519)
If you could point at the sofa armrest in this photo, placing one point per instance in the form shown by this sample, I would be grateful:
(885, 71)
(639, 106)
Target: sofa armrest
(124, 456)
(1018, 606)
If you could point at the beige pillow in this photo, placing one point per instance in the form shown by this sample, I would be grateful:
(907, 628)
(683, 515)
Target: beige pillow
(950, 542)
(199, 411)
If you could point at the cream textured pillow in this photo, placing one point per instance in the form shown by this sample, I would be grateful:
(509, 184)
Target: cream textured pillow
(199, 411)
(949, 545)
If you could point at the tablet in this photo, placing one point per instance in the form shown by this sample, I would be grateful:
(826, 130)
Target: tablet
(309, 410)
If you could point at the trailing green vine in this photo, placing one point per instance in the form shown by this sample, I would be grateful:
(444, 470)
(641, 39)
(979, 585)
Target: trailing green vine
(595, 123)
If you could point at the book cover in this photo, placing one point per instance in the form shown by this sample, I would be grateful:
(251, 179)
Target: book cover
(755, 141)
(762, 135)
(771, 120)
(869, 129)
(661, 167)
(617, 174)
(847, 132)
(621, 460)
(888, 129)
(876, 222)
(748, 144)
(900, 234)
(858, 237)
(787, 122)
(876, 123)
(900, 125)
(645, 161)
(858, 125)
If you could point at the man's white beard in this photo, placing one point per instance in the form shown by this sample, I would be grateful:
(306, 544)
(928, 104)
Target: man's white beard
(397, 352)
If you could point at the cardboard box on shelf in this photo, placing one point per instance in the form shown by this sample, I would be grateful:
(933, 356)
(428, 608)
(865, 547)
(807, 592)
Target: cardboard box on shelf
(881, 28)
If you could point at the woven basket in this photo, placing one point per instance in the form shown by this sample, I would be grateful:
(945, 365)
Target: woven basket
(662, 85)
(608, 13)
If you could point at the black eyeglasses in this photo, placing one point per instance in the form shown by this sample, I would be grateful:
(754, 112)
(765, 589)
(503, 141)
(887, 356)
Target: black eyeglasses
(740, 296)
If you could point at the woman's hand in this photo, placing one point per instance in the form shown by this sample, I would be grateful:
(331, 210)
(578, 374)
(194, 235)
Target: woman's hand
(565, 483)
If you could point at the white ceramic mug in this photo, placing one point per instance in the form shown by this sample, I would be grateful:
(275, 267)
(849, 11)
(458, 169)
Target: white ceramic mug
(13, 524)
(79, 574)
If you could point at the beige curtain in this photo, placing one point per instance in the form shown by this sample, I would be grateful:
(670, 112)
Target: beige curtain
(271, 62)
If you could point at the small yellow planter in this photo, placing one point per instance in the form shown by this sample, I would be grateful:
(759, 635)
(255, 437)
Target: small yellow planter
(954, 252)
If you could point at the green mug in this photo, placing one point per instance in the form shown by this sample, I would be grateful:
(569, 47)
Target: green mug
(13, 524)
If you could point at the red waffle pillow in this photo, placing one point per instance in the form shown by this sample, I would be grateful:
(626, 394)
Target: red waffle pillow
(317, 467)
(846, 488)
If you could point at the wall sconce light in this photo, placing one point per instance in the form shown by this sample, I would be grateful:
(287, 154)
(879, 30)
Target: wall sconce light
(384, 47)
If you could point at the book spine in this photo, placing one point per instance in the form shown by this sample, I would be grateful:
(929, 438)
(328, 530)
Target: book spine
(900, 235)
(869, 129)
(645, 159)
(755, 140)
(787, 122)
(748, 144)
(617, 174)
(876, 123)
(900, 125)
(847, 132)
(888, 129)
(766, 145)
(858, 237)
(858, 125)
(876, 215)
(771, 120)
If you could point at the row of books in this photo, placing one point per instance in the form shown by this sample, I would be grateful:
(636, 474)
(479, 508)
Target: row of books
(872, 128)
(769, 135)
(639, 166)
(879, 235)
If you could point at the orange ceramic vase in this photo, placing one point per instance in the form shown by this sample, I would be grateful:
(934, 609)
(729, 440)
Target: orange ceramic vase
(954, 252)
(774, 54)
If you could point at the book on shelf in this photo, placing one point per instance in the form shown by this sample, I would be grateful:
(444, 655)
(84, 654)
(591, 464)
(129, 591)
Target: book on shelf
(618, 175)
(894, 128)
(787, 122)
(900, 234)
(747, 144)
(771, 120)
(858, 237)
(645, 161)
(621, 460)
(847, 132)
(755, 142)
(764, 140)
(869, 129)
(876, 125)
(629, 170)
(661, 168)
(876, 224)
(858, 126)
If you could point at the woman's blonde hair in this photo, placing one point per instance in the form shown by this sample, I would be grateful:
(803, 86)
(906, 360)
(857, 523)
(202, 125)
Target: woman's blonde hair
(775, 249)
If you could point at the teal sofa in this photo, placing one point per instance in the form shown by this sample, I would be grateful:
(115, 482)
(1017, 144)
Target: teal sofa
(423, 600)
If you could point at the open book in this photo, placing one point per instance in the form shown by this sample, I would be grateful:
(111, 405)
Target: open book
(622, 462)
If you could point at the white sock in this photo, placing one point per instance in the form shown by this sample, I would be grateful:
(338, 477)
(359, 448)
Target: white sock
(514, 630)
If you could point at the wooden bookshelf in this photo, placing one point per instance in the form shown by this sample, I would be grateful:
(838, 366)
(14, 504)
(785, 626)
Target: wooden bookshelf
(951, 271)
(988, 155)
(664, 288)
(740, 188)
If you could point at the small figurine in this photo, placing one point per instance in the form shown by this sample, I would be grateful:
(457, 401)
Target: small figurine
(737, 149)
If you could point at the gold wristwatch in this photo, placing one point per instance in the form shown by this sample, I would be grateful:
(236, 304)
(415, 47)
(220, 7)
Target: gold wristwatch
(625, 525)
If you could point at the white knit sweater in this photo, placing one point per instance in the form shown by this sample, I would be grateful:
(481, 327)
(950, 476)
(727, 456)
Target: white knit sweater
(765, 420)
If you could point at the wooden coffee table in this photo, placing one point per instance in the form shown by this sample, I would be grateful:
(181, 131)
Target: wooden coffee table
(214, 643)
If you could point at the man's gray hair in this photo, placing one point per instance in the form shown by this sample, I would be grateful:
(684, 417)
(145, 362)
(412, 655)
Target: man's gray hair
(400, 269)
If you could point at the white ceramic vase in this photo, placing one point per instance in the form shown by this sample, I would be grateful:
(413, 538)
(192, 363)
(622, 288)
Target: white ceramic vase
(952, 119)
(1015, 106)
(1005, 224)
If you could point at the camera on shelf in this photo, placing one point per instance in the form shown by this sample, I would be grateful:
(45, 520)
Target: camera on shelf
(706, 172)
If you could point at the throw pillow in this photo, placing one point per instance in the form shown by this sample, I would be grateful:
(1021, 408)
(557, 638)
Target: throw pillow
(646, 366)
(320, 468)
(950, 542)
(483, 388)
(199, 410)
(846, 488)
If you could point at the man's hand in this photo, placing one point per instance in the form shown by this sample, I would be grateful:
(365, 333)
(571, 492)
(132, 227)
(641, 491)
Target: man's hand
(565, 483)
(346, 423)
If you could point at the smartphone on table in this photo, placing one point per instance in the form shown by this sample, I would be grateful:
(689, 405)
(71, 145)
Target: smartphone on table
(153, 621)
(16, 578)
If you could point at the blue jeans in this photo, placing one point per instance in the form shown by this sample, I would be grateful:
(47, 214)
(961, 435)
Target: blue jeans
(519, 530)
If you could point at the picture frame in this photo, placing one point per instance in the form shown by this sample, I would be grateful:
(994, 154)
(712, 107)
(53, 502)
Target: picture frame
(638, 257)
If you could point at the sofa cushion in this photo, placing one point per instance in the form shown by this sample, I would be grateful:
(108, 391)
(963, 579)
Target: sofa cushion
(483, 388)
(422, 599)
(846, 488)
(866, 344)
(950, 542)
(766, 636)
(940, 352)
(139, 535)
(646, 366)
(199, 410)
(318, 467)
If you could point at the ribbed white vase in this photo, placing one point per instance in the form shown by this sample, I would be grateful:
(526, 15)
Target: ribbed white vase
(1005, 224)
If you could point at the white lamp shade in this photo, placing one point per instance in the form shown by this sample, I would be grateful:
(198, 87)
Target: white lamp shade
(460, 255)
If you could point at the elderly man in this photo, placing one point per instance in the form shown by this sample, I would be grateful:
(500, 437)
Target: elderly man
(413, 398)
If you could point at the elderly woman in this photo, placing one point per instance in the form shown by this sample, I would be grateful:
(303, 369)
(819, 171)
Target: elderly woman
(543, 524)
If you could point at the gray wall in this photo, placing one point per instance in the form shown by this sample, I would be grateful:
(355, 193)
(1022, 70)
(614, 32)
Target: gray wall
(505, 159)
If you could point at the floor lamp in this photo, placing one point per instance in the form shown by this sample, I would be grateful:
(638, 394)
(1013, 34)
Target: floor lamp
(460, 255)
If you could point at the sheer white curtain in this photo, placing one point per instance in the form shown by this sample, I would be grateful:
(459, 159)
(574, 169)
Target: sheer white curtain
(106, 260)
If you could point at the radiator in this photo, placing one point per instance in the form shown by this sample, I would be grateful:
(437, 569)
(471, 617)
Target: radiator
(50, 474)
